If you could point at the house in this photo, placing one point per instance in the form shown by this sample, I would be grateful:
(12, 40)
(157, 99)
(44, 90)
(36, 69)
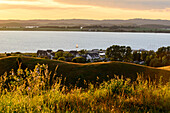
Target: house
(139, 51)
(92, 56)
(45, 53)
(41, 53)
(96, 50)
(102, 56)
(93, 51)
(13, 27)
(142, 62)
(30, 27)
(75, 53)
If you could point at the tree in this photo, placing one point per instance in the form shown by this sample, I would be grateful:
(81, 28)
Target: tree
(79, 60)
(119, 53)
(162, 51)
(128, 54)
(147, 61)
(62, 58)
(82, 51)
(144, 55)
(155, 63)
(165, 61)
(59, 54)
(136, 56)
(67, 55)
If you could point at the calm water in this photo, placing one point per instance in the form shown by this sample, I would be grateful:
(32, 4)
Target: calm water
(31, 41)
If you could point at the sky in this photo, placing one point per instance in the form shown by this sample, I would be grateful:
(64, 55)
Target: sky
(84, 9)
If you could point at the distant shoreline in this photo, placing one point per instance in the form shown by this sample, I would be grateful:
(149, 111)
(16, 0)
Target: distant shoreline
(71, 30)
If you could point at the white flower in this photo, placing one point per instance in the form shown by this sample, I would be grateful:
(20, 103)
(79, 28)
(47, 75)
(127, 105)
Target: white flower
(29, 88)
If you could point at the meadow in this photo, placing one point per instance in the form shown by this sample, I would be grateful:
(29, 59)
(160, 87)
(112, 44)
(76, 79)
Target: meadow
(38, 90)
(85, 71)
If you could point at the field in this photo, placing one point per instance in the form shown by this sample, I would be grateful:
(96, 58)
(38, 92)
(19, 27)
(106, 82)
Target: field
(37, 90)
(165, 68)
(88, 72)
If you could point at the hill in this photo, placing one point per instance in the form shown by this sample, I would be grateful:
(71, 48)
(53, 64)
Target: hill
(84, 22)
(165, 68)
(37, 94)
(88, 72)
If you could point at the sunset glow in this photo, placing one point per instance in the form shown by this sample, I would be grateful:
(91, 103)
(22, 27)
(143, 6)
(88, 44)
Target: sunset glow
(84, 9)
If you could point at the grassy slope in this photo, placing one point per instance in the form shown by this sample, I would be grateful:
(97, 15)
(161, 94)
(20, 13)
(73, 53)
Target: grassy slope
(88, 71)
(165, 68)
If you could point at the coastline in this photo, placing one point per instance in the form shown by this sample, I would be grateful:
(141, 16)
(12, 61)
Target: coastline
(78, 30)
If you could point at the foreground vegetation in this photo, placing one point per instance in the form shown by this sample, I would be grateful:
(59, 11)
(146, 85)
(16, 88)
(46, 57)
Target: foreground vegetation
(38, 91)
(88, 71)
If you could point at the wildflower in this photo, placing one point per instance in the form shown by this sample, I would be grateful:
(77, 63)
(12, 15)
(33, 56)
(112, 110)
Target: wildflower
(29, 88)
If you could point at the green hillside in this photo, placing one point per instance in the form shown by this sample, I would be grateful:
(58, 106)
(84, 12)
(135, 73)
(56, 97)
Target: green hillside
(88, 72)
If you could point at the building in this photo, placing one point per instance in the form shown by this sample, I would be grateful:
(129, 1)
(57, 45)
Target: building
(45, 53)
(75, 53)
(30, 27)
(92, 56)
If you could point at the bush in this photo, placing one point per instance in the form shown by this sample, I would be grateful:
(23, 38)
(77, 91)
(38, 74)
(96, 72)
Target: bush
(56, 57)
(155, 63)
(8, 54)
(17, 53)
(62, 58)
(79, 60)
(166, 62)
(39, 91)
(34, 55)
(46, 57)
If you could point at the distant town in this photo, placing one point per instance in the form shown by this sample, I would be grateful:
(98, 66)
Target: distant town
(94, 55)
(113, 53)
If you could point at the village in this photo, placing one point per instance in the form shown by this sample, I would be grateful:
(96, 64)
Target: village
(93, 55)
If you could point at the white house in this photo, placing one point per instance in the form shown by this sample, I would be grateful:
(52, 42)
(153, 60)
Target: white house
(92, 56)
(30, 27)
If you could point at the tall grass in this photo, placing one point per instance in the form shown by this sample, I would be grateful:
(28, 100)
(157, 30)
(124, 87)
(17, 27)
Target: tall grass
(37, 91)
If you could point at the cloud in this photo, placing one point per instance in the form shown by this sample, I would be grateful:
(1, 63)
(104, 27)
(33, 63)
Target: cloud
(9, 6)
(34, 7)
(21, 0)
(122, 4)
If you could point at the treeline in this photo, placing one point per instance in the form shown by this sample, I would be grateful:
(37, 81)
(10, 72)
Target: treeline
(150, 58)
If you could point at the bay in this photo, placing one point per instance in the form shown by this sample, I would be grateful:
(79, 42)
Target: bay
(31, 41)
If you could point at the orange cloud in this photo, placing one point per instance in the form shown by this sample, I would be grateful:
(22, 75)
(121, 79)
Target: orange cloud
(83, 9)
(34, 7)
(122, 4)
(21, 0)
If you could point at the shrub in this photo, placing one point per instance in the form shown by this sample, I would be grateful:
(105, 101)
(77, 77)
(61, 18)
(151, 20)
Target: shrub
(79, 60)
(46, 57)
(8, 54)
(17, 53)
(155, 62)
(62, 58)
(37, 91)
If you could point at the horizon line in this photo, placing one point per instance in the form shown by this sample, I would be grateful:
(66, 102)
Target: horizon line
(84, 19)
